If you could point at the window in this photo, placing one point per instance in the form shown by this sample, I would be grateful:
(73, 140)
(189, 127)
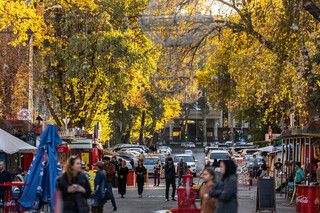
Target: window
(185, 159)
(150, 161)
(218, 156)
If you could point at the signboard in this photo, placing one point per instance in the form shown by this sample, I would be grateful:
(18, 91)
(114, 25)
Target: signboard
(243, 171)
(266, 199)
(85, 157)
(31, 138)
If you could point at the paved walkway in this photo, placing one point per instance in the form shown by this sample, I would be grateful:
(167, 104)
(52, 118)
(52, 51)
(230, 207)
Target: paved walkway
(154, 201)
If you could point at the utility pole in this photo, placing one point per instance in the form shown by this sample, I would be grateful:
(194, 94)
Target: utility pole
(30, 96)
(142, 127)
(205, 119)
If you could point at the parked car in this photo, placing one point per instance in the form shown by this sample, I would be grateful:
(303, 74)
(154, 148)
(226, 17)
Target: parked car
(211, 148)
(165, 150)
(223, 146)
(188, 144)
(217, 154)
(149, 163)
(249, 158)
(130, 155)
(188, 152)
(190, 160)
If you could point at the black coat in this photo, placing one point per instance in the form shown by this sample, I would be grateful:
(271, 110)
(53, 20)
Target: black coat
(123, 181)
(170, 172)
(226, 193)
(74, 202)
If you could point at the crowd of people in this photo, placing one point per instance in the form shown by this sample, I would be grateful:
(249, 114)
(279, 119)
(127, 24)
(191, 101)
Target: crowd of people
(216, 196)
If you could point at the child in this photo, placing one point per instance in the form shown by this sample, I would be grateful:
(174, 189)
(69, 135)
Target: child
(208, 205)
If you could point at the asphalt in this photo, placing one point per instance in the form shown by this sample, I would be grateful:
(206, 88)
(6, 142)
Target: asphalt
(154, 197)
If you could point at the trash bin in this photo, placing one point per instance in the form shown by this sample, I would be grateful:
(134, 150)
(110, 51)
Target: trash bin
(185, 178)
(180, 191)
(298, 197)
(130, 178)
(310, 199)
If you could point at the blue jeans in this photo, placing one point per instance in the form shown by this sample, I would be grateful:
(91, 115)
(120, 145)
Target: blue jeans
(255, 172)
(109, 187)
(179, 181)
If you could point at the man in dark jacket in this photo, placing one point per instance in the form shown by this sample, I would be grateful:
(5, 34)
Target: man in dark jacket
(110, 170)
(5, 177)
(182, 169)
(116, 175)
(170, 175)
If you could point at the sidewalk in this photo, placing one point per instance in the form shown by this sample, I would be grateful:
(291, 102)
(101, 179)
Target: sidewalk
(247, 201)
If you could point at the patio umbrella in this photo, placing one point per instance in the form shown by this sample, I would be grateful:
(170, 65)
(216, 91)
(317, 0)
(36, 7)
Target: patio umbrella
(41, 185)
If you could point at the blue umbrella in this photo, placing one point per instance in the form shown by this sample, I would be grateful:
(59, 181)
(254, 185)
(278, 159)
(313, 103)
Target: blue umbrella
(42, 183)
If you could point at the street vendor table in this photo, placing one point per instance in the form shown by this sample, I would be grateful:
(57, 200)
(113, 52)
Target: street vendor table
(9, 203)
(308, 198)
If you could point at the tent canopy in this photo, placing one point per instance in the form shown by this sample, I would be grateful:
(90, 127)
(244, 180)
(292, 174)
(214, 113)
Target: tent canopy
(10, 144)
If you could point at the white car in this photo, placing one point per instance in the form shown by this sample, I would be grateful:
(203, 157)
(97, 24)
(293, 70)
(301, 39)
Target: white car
(165, 150)
(218, 155)
(188, 145)
(190, 160)
(138, 150)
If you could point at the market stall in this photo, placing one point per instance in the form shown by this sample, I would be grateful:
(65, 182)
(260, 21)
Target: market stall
(11, 148)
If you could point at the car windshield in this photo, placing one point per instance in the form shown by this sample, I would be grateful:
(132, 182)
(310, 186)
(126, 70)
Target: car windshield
(249, 158)
(185, 159)
(188, 152)
(218, 155)
(150, 161)
(163, 147)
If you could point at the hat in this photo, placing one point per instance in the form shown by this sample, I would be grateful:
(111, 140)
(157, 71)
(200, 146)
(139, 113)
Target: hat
(99, 164)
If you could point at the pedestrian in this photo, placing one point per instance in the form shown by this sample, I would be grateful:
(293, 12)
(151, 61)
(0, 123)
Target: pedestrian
(182, 169)
(74, 187)
(226, 189)
(116, 174)
(86, 173)
(255, 167)
(5, 177)
(205, 166)
(264, 172)
(215, 163)
(318, 173)
(110, 170)
(140, 172)
(141, 156)
(157, 172)
(299, 174)
(123, 174)
(98, 197)
(208, 205)
(170, 175)
(168, 156)
(278, 166)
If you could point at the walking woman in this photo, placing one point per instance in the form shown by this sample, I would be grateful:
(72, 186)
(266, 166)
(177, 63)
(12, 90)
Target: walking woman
(74, 187)
(208, 205)
(140, 172)
(157, 172)
(226, 189)
(123, 174)
(98, 197)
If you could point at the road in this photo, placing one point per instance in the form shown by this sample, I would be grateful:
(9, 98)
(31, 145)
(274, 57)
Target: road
(154, 197)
